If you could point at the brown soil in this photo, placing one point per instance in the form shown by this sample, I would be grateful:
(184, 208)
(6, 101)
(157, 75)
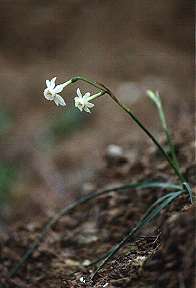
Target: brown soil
(162, 255)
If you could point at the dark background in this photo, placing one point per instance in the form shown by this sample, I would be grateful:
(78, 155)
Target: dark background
(48, 152)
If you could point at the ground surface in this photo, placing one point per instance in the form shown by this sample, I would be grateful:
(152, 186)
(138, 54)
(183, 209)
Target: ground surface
(162, 255)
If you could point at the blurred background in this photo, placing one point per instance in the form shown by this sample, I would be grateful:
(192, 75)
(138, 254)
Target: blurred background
(48, 153)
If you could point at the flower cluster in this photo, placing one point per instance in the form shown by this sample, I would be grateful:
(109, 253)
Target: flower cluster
(82, 102)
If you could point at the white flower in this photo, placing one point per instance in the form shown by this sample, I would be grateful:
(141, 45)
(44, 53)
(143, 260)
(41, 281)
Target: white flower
(51, 92)
(82, 102)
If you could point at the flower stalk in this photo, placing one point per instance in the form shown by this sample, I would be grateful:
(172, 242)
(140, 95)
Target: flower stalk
(82, 103)
(136, 120)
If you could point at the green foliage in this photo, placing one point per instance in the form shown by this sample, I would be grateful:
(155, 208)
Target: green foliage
(67, 123)
(5, 122)
(7, 170)
(63, 126)
(7, 178)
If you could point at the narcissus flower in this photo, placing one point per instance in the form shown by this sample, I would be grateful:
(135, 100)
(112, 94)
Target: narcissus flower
(82, 102)
(51, 92)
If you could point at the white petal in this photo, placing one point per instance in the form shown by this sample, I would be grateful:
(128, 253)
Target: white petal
(48, 95)
(77, 100)
(48, 83)
(58, 88)
(86, 95)
(90, 105)
(87, 109)
(53, 79)
(52, 83)
(56, 101)
(59, 100)
(80, 108)
(79, 93)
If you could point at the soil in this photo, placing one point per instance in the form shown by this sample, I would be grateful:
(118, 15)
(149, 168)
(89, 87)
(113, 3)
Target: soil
(162, 255)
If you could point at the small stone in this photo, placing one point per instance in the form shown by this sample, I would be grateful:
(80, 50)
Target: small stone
(86, 262)
(82, 280)
(115, 155)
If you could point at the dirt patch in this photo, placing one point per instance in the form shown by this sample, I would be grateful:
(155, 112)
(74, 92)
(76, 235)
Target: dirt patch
(161, 256)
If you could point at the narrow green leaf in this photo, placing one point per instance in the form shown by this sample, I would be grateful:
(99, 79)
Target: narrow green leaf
(154, 96)
(189, 190)
(83, 200)
(151, 213)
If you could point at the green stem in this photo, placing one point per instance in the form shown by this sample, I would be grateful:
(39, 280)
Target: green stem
(95, 84)
(127, 110)
(172, 149)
